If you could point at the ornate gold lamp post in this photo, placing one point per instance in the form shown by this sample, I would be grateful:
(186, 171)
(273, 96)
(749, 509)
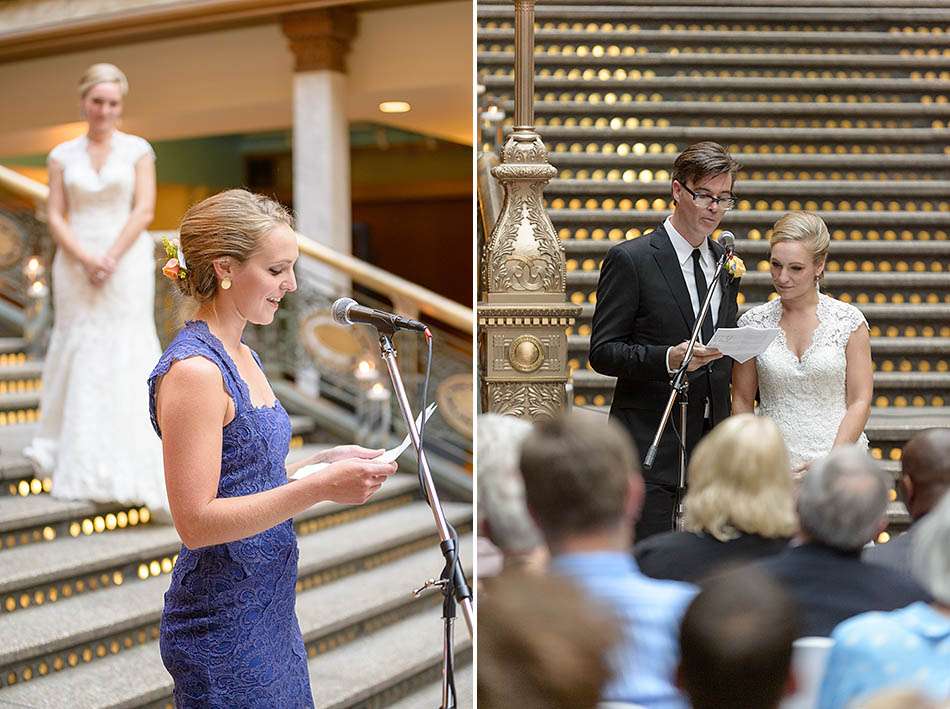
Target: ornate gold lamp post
(523, 311)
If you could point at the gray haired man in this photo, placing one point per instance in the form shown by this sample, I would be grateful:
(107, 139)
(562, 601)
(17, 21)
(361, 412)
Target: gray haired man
(842, 505)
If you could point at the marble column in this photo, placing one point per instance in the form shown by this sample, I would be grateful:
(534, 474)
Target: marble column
(320, 41)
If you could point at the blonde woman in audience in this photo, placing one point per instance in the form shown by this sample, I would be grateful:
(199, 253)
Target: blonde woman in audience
(739, 506)
(815, 380)
(94, 438)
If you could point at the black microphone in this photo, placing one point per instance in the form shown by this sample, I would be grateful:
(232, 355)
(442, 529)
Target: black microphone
(728, 241)
(347, 311)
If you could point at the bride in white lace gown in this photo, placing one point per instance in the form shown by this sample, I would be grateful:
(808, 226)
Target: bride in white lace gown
(815, 380)
(95, 439)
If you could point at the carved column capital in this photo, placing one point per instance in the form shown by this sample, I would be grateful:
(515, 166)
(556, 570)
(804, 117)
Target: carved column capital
(320, 39)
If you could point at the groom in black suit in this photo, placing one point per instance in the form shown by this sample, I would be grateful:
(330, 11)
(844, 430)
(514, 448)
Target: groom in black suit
(648, 297)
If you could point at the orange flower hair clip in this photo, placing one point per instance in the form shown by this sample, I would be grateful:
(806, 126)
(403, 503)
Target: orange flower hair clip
(175, 266)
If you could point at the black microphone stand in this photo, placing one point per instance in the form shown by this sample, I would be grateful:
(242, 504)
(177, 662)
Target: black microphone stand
(452, 583)
(679, 391)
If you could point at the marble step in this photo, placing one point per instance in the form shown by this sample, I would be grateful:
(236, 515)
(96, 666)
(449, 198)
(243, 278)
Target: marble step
(847, 18)
(936, 314)
(892, 346)
(14, 438)
(687, 86)
(587, 379)
(876, 280)
(685, 59)
(754, 217)
(24, 570)
(136, 677)
(868, 190)
(919, 164)
(43, 632)
(786, 41)
(797, 136)
(431, 696)
(390, 657)
(903, 249)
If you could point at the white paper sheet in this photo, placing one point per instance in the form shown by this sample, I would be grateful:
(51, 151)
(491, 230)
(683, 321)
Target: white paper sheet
(387, 457)
(743, 343)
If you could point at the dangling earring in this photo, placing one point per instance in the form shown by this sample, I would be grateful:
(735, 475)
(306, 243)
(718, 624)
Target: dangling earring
(226, 283)
(817, 279)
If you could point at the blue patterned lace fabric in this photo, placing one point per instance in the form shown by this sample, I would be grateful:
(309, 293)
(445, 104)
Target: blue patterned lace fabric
(229, 633)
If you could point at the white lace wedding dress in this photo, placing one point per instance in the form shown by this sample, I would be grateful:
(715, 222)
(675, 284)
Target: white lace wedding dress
(806, 398)
(95, 439)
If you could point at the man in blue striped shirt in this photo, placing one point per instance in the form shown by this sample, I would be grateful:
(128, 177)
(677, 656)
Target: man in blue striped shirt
(583, 487)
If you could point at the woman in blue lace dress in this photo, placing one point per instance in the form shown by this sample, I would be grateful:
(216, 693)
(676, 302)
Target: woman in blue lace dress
(229, 634)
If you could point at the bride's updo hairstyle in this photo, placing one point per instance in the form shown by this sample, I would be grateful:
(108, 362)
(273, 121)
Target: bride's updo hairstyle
(103, 74)
(807, 229)
(228, 224)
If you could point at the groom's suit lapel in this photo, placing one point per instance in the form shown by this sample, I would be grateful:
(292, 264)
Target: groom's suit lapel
(665, 256)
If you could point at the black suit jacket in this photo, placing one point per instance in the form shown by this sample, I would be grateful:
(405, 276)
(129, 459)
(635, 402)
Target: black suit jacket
(643, 308)
(831, 586)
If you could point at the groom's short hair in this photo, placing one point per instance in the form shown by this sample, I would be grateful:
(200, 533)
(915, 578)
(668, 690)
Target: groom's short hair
(577, 472)
(843, 499)
(704, 159)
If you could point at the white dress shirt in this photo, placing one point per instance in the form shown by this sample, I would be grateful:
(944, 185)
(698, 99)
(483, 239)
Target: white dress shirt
(684, 254)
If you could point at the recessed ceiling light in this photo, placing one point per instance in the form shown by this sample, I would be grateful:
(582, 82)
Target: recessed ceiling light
(395, 107)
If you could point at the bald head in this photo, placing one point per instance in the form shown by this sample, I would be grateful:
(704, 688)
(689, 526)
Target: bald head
(926, 469)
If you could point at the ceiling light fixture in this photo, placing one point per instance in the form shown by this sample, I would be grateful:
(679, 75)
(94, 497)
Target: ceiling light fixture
(395, 107)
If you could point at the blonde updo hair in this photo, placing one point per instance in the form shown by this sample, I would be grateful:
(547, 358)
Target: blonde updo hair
(740, 481)
(103, 74)
(805, 228)
(228, 224)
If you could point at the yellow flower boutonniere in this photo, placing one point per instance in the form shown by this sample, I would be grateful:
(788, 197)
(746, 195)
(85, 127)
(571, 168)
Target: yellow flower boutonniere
(175, 266)
(735, 267)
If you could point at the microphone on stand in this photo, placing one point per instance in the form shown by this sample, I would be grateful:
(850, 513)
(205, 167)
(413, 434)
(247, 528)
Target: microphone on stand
(346, 311)
(728, 241)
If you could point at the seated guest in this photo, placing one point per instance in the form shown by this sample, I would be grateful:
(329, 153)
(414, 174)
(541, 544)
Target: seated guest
(842, 505)
(503, 519)
(736, 642)
(739, 506)
(583, 487)
(541, 644)
(907, 648)
(925, 477)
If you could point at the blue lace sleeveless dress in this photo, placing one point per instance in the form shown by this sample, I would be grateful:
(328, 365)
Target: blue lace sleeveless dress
(229, 633)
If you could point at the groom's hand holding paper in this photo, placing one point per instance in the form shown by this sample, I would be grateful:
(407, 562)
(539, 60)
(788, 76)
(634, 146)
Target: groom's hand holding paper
(743, 343)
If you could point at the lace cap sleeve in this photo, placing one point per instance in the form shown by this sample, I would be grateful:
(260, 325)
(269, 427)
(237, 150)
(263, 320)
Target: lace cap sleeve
(58, 154)
(844, 319)
(139, 147)
(759, 316)
(179, 349)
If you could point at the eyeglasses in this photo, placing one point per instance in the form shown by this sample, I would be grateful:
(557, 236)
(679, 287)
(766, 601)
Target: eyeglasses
(705, 201)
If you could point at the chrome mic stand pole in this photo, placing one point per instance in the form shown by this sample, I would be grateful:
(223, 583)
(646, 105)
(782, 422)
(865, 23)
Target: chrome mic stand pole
(679, 386)
(454, 587)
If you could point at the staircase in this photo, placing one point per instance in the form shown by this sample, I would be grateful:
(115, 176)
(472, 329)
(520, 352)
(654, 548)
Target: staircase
(838, 107)
(81, 586)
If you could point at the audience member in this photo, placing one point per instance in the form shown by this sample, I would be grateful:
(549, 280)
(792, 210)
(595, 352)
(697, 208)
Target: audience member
(925, 477)
(907, 648)
(739, 506)
(736, 642)
(842, 505)
(541, 645)
(583, 487)
(503, 518)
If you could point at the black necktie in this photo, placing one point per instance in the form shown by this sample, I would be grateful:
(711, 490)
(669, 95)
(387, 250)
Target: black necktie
(701, 289)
